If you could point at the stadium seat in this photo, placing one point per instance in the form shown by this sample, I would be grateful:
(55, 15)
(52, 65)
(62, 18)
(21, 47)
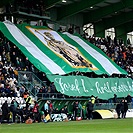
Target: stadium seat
(2, 101)
(13, 98)
(22, 101)
(5, 98)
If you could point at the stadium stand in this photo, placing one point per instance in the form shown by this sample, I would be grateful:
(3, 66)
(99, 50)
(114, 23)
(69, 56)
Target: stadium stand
(9, 88)
(14, 64)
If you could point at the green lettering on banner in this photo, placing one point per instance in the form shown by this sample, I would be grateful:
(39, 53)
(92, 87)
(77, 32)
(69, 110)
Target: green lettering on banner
(104, 88)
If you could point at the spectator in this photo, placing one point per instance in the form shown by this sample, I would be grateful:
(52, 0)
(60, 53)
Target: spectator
(5, 112)
(13, 109)
(115, 99)
(25, 95)
(122, 108)
(93, 100)
(70, 30)
(56, 111)
(60, 29)
(89, 110)
(118, 109)
(125, 108)
(65, 110)
(75, 109)
(50, 107)
(27, 113)
(46, 108)
(129, 98)
(22, 90)
(28, 101)
(35, 111)
(53, 88)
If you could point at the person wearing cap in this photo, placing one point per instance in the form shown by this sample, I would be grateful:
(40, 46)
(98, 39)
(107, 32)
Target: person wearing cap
(93, 100)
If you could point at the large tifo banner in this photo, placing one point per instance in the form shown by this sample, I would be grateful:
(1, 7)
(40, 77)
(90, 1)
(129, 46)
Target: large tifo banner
(57, 53)
(104, 88)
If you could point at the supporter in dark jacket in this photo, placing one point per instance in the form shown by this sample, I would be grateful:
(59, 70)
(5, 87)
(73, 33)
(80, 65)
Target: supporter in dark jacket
(118, 109)
(115, 99)
(122, 108)
(5, 112)
(27, 113)
(56, 111)
(89, 109)
(64, 110)
(36, 112)
(125, 108)
(129, 98)
(75, 109)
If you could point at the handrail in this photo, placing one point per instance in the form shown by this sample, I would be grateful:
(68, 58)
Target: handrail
(27, 78)
(39, 79)
(31, 93)
(23, 82)
(33, 76)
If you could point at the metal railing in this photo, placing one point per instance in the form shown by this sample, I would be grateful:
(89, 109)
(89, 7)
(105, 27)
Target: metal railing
(30, 81)
(24, 76)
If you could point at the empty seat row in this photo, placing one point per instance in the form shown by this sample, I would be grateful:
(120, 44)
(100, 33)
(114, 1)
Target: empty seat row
(20, 100)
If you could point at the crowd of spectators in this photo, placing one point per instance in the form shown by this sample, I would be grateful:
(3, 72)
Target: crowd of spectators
(12, 60)
(15, 113)
(120, 53)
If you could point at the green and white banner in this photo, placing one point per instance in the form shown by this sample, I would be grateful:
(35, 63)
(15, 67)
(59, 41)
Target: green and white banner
(104, 88)
(56, 53)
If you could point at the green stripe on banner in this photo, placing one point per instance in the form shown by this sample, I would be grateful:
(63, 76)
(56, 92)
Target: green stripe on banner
(44, 48)
(88, 56)
(41, 45)
(33, 60)
(56, 53)
(102, 53)
(100, 59)
(39, 59)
